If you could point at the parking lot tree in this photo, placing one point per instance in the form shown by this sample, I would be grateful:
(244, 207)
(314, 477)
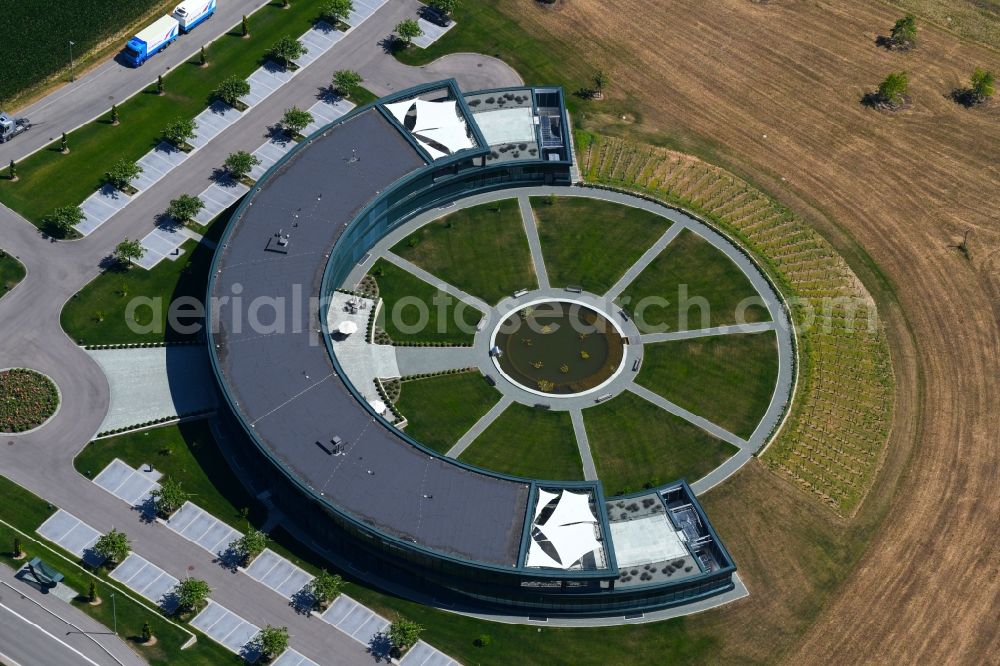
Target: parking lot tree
(128, 251)
(250, 545)
(169, 497)
(407, 30)
(272, 641)
(232, 89)
(60, 221)
(345, 81)
(113, 546)
(179, 131)
(404, 633)
(122, 173)
(445, 7)
(191, 593)
(336, 11)
(325, 587)
(240, 164)
(185, 207)
(295, 120)
(286, 50)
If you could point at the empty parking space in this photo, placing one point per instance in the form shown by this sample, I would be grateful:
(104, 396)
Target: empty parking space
(212, 121)
(100, 206)
(206, 530)
(217, 197)
(432, 32)
(163, 243)
(148, 580)
(71, 534)
(326, 111)
(225, 627)
(355, 620)
(277, 573)
(127, 484)
(292, 658)
(362, 10)
(423, 654)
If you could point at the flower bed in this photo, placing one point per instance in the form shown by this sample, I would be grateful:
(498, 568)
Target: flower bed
(27, 399)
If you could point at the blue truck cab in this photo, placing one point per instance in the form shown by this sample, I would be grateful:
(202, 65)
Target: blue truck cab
(192, 12)
(151, 40)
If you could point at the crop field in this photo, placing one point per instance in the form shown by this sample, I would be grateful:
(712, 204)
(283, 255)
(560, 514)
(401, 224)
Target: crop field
(35, 35)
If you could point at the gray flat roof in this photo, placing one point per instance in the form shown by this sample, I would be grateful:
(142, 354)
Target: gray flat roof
(283, 381)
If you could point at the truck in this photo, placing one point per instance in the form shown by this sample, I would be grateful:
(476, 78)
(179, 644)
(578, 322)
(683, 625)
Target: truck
(192, 12)
(11, 127)
(151, 40)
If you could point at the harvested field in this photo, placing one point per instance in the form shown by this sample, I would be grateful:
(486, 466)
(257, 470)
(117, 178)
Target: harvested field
(771, 91)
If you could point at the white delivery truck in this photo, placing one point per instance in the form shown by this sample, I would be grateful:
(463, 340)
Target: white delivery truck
(192, 12)
(149, 41)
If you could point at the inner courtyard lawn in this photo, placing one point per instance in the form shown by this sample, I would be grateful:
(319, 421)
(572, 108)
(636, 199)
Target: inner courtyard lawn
(98, 313)
(728, 379)
(525, 441)
(49, 179)
(439, 410)
(11, 272)
(697, 286)
(482, 250)
(591, 243)
(636, 444)
(410, 312)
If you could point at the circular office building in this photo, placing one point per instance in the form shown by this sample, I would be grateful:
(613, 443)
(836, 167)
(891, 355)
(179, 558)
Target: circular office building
(421, 412)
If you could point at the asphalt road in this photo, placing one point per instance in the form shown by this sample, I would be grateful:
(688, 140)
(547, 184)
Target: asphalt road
(31, 336)
(112, 82)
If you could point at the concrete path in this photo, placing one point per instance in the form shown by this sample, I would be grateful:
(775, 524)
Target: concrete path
(534, 244)
(481, 425)
(736, 329)
(690, 417)
(583, 442)
(152, 383)
(425, 360)
(647, 257)
(431, 279)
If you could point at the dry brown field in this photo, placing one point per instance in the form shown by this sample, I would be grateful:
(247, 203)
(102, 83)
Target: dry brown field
(771, 91)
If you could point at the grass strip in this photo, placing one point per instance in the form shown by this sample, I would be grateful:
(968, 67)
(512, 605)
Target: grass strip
(11, 272)
(439, 410)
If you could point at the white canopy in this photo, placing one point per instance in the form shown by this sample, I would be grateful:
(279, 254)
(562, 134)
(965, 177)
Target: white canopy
(544, 497)
(347, 328)
(539, 558)
(438, 126)
(378, 406)
(571, 541)
(572, 508)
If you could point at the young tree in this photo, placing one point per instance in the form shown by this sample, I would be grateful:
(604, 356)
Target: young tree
(114, 114)
(324, 588)
(64, 144)
(983, 85)
(128, 251)
(287, 49)
(191, 593)
(169, 497)
(600, 80)
(335, 11)
(250, 545)
(12, 171)
(147, 632)
(271, 641)
(185, 207)
(159, 84)
(407, 30)
(904, 33)
(295, 120)
(446, 7)
(113, 546)
(345, 81)
(17, 548)
(202, 58)
(245, 27)
(231, 90)
(240, 164)
(122, 173)
(892, 90)
(179, 131)
(61, 221)
(92, 590)
(404, 633)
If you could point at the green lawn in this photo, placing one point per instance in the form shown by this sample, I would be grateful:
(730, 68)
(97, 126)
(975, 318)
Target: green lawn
(636, 444)
(97, 314)
(481, 250)
(25, 511)
(691, 269)
(410, 313)
(11, 272)
(525, 441)
(592, 243)
(49, 179)
(440, 410)
(728, 379)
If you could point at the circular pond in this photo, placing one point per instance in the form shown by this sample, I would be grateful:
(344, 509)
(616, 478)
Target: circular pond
(558, 348)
